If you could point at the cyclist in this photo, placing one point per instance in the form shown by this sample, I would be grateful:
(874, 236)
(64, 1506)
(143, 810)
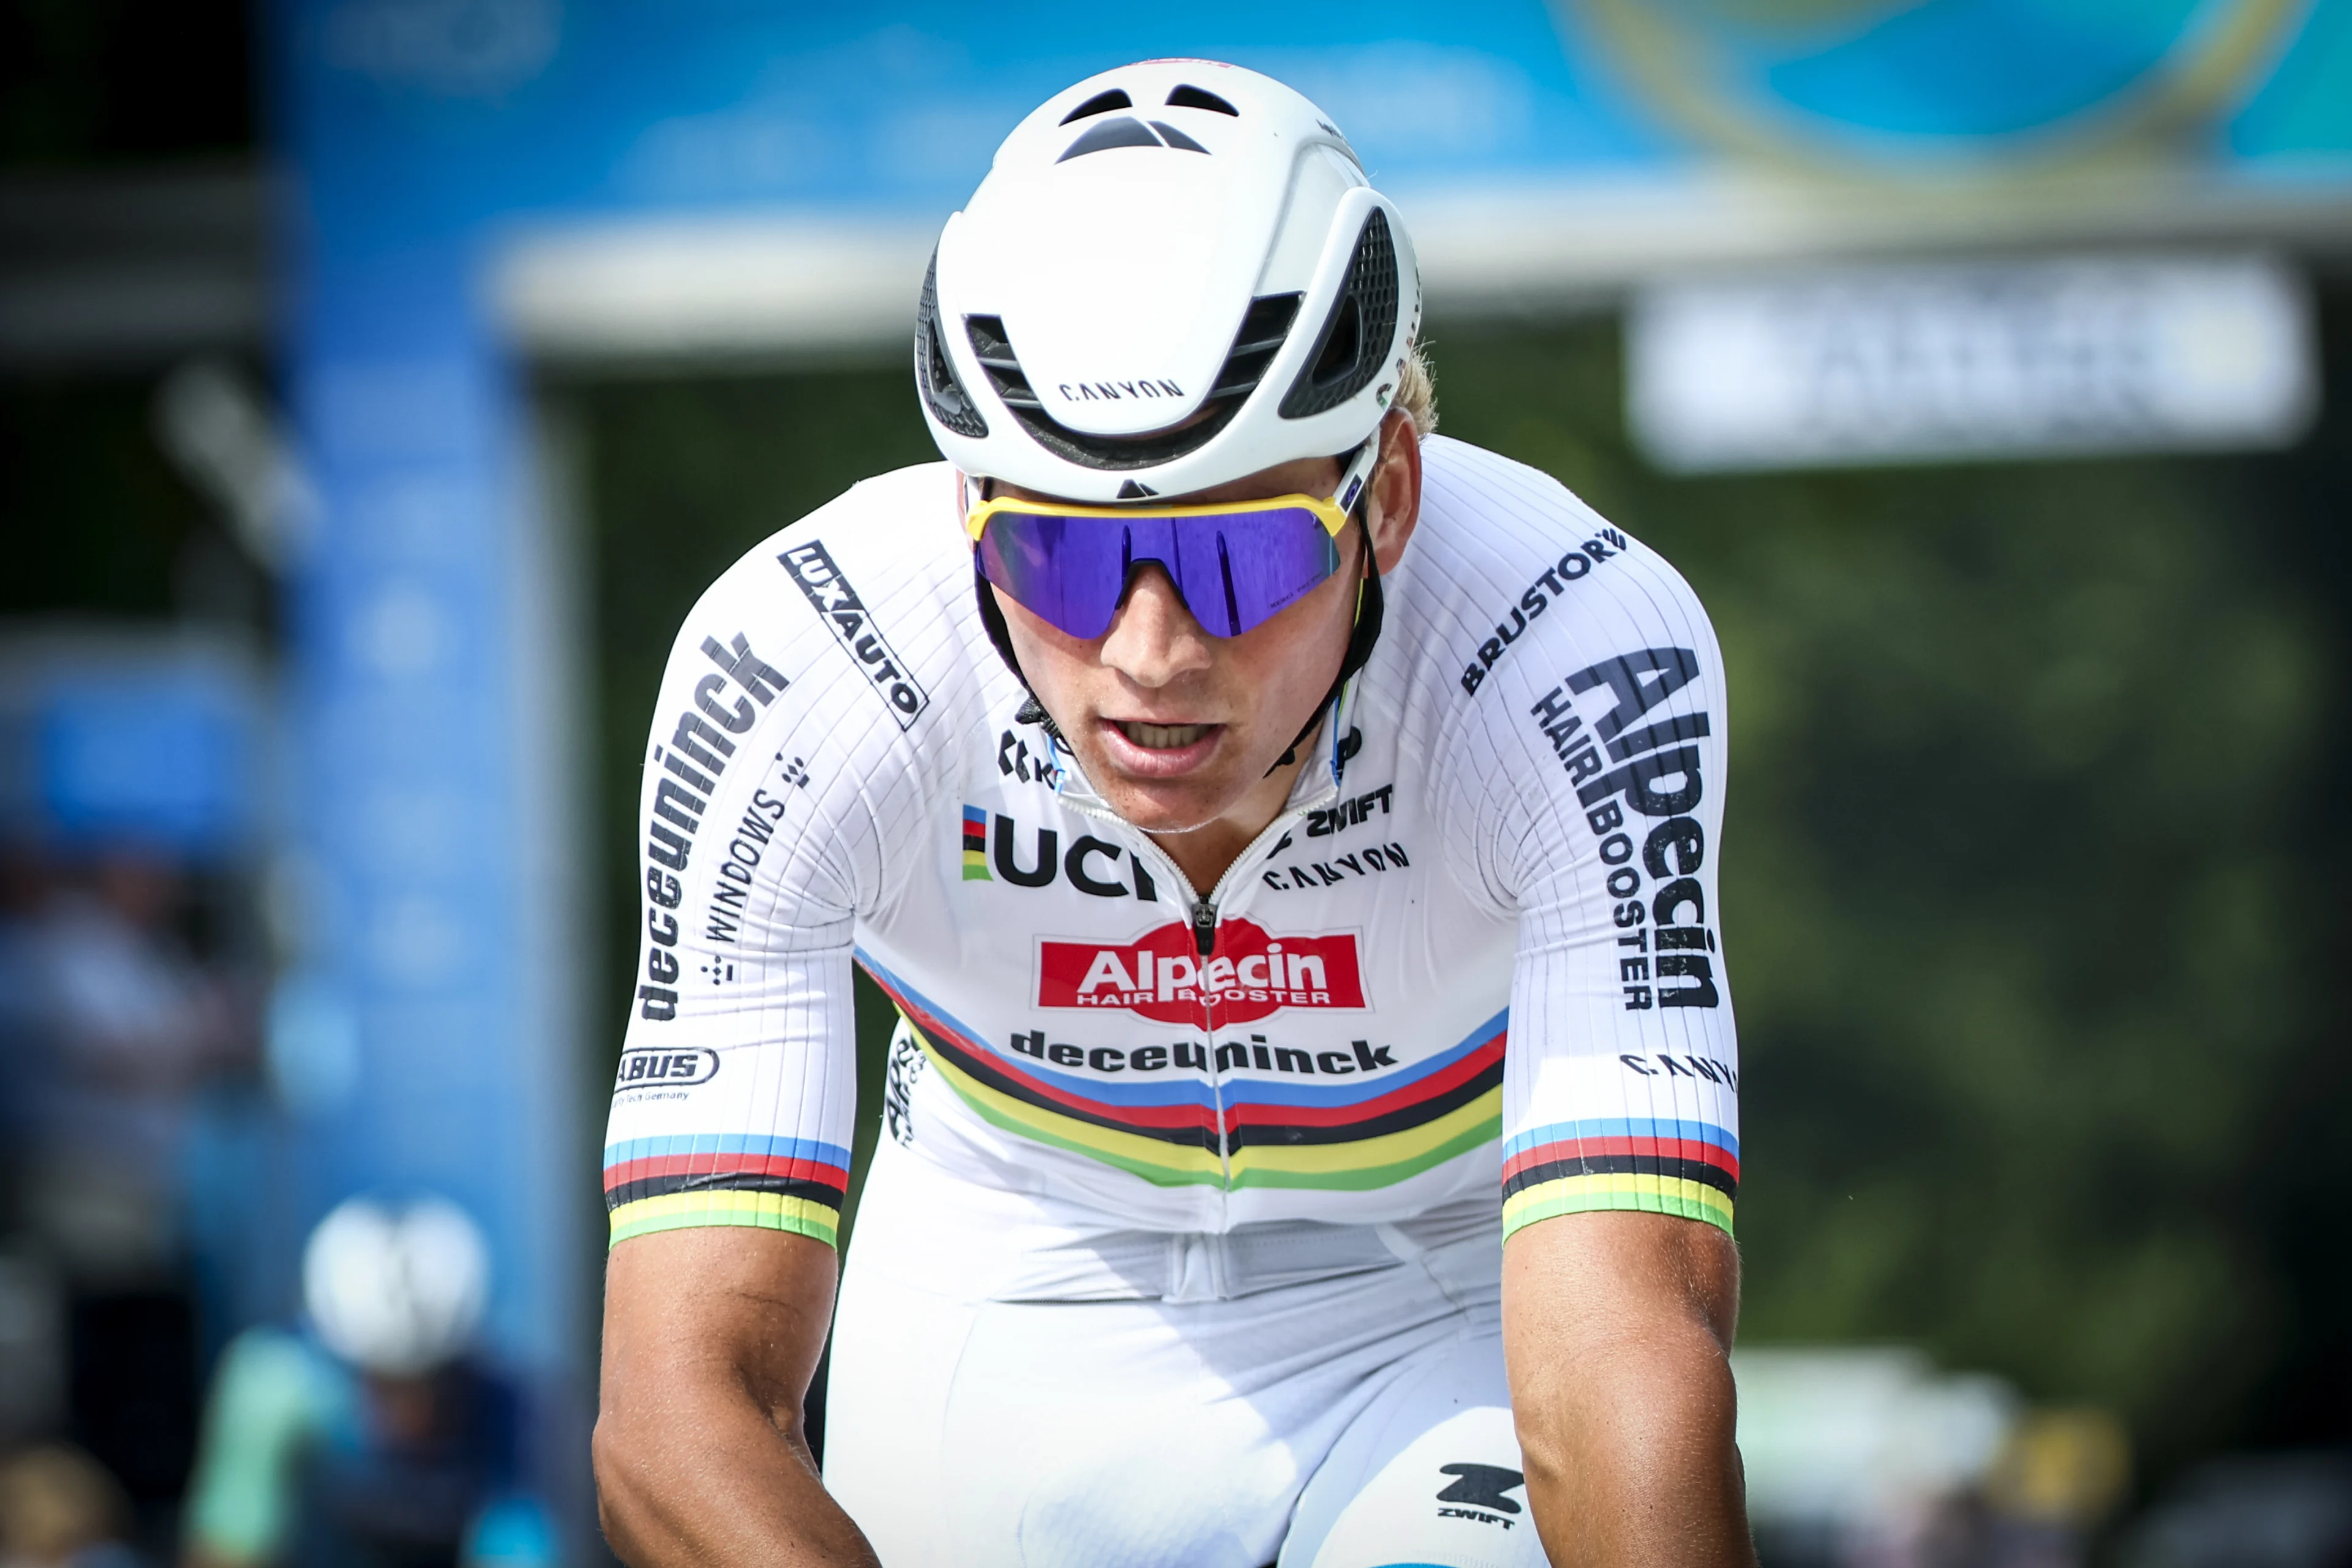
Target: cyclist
(1290, 839)
(370, 1437)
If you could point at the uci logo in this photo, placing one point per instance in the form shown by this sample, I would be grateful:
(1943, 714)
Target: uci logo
(1093, 865)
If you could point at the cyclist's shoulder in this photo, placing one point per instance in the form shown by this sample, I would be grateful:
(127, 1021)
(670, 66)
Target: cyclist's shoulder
(900, 527)
(911, 518)
(1482, 513)
(283, 1373)
(1506, 554)
(880, 570)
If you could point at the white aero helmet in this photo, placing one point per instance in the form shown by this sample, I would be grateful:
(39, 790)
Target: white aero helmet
(1175, 274)
(395, 1290)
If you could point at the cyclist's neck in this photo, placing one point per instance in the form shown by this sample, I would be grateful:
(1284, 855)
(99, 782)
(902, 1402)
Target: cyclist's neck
(1204, 854)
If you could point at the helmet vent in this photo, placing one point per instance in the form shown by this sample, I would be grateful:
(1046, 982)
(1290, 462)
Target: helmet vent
(1355, 338)
(1265, 326)
(1175, 138)
(1127, 131)
(1189, 96)
(995, 356)
(1099, 104)
(934, 376)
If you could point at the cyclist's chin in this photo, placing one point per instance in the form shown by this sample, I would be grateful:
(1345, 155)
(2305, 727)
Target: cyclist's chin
(1156, 806)
(1167, 789)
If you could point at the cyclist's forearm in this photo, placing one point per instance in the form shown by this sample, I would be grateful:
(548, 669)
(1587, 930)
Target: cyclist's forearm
(1617, 1343)
(1638, 1465)
(711, 1338)
(705, 1478)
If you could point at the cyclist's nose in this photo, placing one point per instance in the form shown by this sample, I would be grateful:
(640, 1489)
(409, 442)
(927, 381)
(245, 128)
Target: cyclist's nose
(1154, 639)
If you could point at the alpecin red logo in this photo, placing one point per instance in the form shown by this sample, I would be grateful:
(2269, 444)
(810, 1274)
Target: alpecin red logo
(1162, 975)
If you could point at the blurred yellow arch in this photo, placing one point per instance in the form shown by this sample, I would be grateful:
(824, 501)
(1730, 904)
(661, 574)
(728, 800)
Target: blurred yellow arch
(2222, 52)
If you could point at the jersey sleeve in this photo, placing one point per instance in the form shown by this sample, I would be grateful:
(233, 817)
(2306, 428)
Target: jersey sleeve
(1603, 816)
(757, 850)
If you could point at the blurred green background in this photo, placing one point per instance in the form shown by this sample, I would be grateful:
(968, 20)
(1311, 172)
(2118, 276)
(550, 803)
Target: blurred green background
(2031, 841)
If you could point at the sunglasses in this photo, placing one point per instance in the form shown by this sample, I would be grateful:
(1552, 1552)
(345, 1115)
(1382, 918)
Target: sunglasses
(1237, 565)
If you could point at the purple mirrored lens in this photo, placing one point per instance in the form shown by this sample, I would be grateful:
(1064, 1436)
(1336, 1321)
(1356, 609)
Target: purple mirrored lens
(1235, 570)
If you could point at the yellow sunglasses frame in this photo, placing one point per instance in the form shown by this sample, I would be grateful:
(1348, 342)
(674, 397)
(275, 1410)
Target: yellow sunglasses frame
(1327, 512)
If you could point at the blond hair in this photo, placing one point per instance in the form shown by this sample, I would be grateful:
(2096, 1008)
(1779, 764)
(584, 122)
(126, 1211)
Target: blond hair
(1416, 391)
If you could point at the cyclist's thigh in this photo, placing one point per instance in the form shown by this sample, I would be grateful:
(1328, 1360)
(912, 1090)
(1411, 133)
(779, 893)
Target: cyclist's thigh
(1040, 1435)
(1428, 1476)
(895, 1350)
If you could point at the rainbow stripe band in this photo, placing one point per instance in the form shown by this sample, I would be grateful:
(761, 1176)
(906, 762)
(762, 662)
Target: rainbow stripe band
(975, 846)
(1685, 1168)
(1349, 1135)
(776, 1183)
(767, 1211)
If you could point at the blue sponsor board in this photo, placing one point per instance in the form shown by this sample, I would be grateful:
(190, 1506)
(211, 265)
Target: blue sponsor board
(121, 744)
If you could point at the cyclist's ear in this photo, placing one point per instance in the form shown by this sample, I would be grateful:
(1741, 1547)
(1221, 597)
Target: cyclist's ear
(1393, 509)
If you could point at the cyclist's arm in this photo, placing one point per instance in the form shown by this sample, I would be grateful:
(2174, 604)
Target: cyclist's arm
(269, 1398)
(1617, 1330)
(771, 760)
(1590, 790)
(710, 1337)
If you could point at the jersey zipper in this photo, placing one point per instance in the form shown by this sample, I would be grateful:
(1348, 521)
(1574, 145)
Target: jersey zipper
(1204, 912)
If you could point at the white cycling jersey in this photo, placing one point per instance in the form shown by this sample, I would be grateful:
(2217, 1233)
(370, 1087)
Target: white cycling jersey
(1478, 951)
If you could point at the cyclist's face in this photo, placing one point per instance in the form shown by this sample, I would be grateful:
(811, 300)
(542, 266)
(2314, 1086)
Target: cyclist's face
(1176, 727)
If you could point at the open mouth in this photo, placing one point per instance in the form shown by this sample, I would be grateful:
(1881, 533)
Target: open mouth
(1162, 737)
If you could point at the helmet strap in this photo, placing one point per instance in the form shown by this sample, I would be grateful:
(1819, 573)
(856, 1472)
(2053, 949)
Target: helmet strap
(1370, 605)
(992, 621)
